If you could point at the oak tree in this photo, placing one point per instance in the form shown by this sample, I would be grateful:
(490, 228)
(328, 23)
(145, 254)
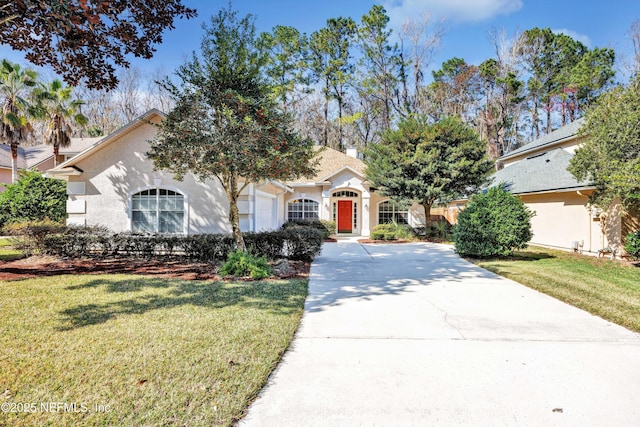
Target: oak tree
(84, 39)
(428, 163)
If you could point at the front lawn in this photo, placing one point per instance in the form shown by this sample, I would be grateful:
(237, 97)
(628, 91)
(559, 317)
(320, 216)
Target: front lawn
(605, 288)
(131, 350)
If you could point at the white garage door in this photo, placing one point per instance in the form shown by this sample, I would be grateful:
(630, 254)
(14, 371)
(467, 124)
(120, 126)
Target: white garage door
(265, 212)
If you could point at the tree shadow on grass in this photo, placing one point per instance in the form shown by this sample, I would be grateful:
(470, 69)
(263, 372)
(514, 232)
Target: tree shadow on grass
(276, 296)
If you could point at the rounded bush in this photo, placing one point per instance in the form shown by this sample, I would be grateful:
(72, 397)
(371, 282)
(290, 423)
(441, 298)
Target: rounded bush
(493, 224)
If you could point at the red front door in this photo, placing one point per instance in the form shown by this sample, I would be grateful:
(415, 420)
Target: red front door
(345, 215)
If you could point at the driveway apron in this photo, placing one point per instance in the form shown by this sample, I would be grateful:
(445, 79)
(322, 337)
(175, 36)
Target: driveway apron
(412, 335)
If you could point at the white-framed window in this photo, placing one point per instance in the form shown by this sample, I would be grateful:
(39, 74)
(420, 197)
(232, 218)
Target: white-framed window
(390, 211)
(157, 211)
(303, 209)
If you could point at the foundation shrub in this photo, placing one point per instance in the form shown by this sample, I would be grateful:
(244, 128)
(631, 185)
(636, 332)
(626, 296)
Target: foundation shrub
(302, 243)
(392, 231)
(326, 227)
(294, 242)
(632, 245)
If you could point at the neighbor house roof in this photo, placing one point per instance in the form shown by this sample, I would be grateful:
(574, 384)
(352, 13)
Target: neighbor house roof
(559, 135)
(540, 173)
(78, 145)
(28, 157)
(330, 162)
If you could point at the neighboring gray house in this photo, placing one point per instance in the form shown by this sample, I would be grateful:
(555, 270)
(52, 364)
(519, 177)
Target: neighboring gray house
(537, 173)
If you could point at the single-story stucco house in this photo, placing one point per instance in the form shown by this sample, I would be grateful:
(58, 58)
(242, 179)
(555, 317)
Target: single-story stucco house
(537, 173)
(112, 183)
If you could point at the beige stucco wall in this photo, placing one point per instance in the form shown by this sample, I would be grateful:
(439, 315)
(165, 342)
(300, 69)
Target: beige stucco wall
(121, 168)
(562, 218)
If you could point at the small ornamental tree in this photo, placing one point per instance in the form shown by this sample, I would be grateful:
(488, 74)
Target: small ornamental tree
(428, 163)
(32, 198)
(225, 125)
(493, 224)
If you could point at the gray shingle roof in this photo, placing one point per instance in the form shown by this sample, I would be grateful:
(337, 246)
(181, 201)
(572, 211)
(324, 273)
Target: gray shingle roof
(544, 172)
(78, 145)
(27, 156)
(556, 136)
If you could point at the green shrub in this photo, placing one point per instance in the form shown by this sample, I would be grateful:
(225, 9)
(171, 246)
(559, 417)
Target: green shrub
(302, 243)
(297, 243)
(632, 244)
(206, 247)
(243, 264)
(33, 198)
(326, 227)
(392, 231)
(493, 223)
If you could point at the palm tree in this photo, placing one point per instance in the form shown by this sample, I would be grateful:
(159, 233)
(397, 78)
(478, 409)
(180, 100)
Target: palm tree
(15, 125)
(60, 112)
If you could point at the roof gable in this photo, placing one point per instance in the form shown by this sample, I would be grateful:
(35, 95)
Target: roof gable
(105, 141)
(562, 134)
(330, 163)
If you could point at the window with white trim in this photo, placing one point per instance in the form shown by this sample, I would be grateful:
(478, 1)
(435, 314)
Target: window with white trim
(157, 211)
(302, 209)
(390, 211)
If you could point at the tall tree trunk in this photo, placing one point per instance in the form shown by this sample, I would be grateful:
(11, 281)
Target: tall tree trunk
(340, 131)
(427, 215)
(326, 113)
(56, 150)
(234, 213)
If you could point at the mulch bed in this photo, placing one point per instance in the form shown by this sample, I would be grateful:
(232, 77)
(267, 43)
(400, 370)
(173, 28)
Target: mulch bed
(37, 266)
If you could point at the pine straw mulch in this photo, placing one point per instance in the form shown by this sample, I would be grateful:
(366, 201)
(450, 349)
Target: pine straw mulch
(43, 266)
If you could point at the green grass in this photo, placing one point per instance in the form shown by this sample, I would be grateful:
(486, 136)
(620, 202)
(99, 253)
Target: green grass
(602, 287)
(156, 351)
(7, 252)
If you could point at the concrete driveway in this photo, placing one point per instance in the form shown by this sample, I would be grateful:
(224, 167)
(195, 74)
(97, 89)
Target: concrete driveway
(401, 335)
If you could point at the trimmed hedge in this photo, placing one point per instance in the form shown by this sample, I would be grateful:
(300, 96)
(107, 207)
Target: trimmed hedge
(326, 227)
(295, 243)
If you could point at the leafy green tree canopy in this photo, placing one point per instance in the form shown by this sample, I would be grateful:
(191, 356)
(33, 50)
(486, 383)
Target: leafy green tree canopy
(32, 198)
(610, 155)
(225, 124)
(428, 163)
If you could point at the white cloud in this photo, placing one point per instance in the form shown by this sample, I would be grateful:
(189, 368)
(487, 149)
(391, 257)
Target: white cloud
(451, 10)
(574, 35)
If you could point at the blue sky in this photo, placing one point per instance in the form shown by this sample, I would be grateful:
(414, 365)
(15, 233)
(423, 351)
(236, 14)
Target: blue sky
(595, 23)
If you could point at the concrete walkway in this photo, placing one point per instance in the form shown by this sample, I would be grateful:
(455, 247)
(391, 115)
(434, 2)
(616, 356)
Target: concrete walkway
(401, 335)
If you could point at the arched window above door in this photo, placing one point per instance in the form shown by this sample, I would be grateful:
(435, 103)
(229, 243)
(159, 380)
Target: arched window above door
(345, 193)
